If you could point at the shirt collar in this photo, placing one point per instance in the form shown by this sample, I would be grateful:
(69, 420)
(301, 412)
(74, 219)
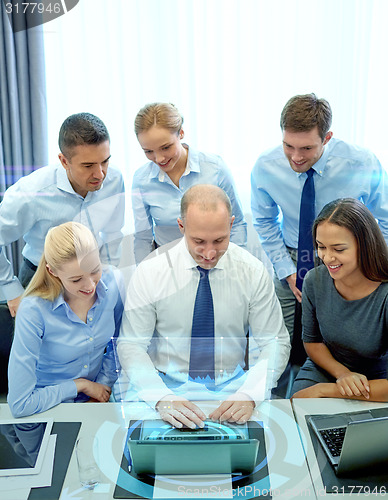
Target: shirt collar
(154, 171)
(193, 159)
(63, 182)
(320, 165)
(101, 290)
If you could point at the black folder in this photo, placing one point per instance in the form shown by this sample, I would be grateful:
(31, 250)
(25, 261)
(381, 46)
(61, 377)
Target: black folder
(67, 433)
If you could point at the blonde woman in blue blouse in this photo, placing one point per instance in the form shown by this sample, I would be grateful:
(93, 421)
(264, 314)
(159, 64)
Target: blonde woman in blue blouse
(173, 167)
(62, 349)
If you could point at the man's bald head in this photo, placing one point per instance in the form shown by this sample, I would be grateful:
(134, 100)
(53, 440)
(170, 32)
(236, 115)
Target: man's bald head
(207, 197)
(206, 222)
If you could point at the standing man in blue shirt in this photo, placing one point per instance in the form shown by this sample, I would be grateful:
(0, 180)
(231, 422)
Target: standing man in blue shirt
(339, 170)
(81, 188)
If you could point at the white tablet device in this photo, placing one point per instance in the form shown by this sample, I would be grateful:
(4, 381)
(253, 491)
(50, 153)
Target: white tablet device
(23, 446)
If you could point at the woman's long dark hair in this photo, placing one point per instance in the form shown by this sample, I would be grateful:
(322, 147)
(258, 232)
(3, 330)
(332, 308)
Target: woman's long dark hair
(354, 216)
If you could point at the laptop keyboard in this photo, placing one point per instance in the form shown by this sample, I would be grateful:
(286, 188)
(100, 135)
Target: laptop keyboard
(334, 439)
(191, 438)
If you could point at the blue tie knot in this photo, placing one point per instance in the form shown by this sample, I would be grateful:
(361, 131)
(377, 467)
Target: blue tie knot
(310, 173)
(202, 272)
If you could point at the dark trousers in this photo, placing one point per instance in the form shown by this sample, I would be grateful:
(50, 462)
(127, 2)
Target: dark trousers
(7, 323)
(27, 271)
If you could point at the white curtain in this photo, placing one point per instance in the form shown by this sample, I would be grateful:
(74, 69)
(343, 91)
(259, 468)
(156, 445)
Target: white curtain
(229, 65)
(23, 118)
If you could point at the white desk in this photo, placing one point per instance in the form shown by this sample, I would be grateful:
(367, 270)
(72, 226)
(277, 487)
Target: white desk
(304, 407)
(287, 467)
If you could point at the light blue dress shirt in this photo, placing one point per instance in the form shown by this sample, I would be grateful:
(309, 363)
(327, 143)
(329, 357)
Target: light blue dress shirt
(343, 171)
(53, 346)
(156, 200)
(45, 199)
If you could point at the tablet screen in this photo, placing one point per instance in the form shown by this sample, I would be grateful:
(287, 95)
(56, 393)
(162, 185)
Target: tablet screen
(22, 446)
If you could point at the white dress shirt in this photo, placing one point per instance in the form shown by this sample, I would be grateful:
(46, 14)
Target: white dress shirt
(155, 336)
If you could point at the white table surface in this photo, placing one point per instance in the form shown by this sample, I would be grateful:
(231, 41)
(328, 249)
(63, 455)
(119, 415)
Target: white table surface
(288, 472)
(307, 406)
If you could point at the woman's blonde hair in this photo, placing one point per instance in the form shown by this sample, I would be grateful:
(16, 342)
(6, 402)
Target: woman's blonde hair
(161, 114)
(63, 243)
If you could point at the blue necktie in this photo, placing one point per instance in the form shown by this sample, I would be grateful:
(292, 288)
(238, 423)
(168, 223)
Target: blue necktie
(306, 220)
(202, 332)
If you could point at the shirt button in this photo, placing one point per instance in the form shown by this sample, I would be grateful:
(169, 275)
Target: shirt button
(90, 318)
(85, 366)
(91, 339)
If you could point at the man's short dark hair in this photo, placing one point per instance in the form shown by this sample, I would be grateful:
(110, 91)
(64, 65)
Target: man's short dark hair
(304, 112)
(79, 129)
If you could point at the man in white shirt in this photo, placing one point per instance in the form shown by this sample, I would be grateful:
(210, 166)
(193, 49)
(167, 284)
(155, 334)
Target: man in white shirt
(155, 341)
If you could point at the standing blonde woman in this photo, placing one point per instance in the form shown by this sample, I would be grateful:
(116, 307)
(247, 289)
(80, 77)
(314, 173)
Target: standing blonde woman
(158, 186)
(69, 313)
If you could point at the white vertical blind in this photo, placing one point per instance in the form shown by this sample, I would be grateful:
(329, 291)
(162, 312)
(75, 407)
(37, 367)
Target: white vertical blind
(229, 65)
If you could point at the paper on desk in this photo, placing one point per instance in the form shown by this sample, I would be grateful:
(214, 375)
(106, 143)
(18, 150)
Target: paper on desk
(15, 494)
(28, 481)
(193, 486)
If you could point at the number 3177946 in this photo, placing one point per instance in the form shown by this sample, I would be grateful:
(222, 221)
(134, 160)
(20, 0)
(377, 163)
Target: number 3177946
(33, 7)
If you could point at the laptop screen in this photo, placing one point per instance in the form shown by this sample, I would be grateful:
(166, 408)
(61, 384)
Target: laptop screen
(214, 431)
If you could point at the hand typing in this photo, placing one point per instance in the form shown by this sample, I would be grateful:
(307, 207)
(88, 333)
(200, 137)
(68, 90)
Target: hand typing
(178, 411)
(237, 408)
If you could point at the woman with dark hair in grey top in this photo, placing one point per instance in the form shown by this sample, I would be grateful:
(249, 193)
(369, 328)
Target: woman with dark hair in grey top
(345, 307)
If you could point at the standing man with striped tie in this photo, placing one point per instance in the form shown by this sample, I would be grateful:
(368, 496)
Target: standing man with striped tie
(294, 181)
(183, 335)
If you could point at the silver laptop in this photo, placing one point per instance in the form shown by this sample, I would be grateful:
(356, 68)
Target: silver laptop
(353, 440)
(158, 448)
